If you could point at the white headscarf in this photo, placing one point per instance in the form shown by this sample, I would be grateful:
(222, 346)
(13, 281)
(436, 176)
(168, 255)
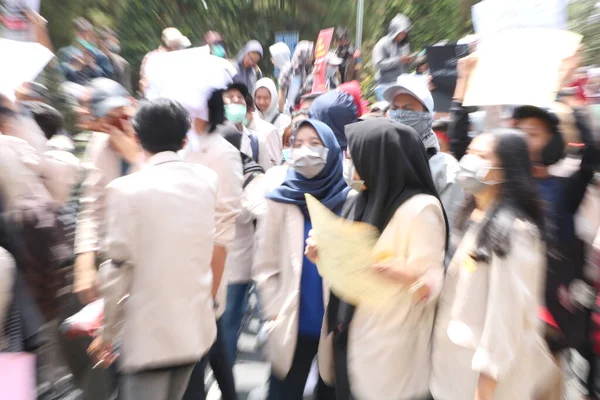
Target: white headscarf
(281, 54)
(269, 114)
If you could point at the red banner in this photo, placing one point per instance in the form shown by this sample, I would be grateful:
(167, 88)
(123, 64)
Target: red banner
(321, 50)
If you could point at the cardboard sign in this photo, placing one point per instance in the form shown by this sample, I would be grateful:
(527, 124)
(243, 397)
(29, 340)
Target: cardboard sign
(321, 50)
(442, 62)
(522, 66)
(494, 16)
(289, 38)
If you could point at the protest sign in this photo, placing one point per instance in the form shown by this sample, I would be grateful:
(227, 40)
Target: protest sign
(289, 38)
(442, 62)
(189, 77)
(531, 58)
(27, 60)
(321, 50)
(493, 16)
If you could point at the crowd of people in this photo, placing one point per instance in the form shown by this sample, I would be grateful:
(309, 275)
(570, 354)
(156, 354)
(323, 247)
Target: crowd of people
(169, 215)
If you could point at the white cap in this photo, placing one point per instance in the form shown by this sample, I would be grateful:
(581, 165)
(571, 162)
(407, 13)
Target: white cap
(171, 37)
(333, 59)
(412, 85)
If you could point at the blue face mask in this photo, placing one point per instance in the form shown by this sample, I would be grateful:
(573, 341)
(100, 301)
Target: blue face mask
(85, 44)
(287, 154)
(218, 50)
(235, 113)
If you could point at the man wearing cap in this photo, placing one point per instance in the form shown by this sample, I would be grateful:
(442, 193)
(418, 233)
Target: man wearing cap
(111, 153)
(172, 40)
(391, 54)
(411, 104)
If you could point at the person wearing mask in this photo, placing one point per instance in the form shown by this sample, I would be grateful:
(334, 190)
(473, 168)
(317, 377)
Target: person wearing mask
(85, 45)
(295, 74)
(266, 99)
(411, 104)
(216, 43)
(337, 110)
(246, 63)
(280, 55)
(111, 46)
(254, 144)
(291, 292)
(169, 322)
(567, 311)
(487, 342)
(207, 147)
(396, 194)
(350, 66)
(239, 259)
(391, 54)
(172, 40)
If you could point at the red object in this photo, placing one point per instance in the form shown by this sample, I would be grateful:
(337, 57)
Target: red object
(86, 322)
(353, 89)
(442, 136)
(544, 315)
(579, 85)
(321, 50)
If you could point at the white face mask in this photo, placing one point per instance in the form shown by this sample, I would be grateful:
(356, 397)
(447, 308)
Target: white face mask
(349, 173)
(309, 161)
(472, 174)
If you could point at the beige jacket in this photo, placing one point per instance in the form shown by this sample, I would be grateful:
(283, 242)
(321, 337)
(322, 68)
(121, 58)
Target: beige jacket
(101, 165)
(277, 270)
(7, 278)
(389, 350)
(160, 231)
(213, 151)
(487, 320)
(20, 172)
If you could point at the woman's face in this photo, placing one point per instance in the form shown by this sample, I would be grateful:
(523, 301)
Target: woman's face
(484, 147)
(251, 59)
(307, 136)
(262, 98)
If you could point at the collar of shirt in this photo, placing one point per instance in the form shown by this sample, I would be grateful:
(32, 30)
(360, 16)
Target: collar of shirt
(162, 158)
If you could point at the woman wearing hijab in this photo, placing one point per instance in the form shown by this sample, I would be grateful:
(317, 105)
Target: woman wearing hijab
(385, 354)
(267, 100)
(290, 289)
(294, 75)
(280, 55)
(486, 343)
(246, 63)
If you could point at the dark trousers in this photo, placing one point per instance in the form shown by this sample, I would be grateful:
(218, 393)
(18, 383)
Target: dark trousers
(222, 365)
(222, 368)
(292, 387)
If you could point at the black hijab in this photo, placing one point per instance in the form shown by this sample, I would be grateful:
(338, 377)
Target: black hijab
(392, 161)
(231, 133)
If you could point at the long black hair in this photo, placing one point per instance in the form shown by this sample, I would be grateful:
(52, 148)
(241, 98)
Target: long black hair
(518, 197)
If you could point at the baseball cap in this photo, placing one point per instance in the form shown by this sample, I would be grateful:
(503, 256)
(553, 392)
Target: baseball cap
(171, 37)
(412, 85)
(106, 96)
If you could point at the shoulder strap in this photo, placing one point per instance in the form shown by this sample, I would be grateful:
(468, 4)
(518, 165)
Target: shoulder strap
(275, 118)
(250, 179)
(254, 146)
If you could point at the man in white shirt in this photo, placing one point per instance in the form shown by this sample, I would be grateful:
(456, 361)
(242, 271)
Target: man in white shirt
(160, 239)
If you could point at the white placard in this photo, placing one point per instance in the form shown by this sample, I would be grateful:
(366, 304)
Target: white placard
(25, 61)
(493, 16)
(187, 76)
(522, 66)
